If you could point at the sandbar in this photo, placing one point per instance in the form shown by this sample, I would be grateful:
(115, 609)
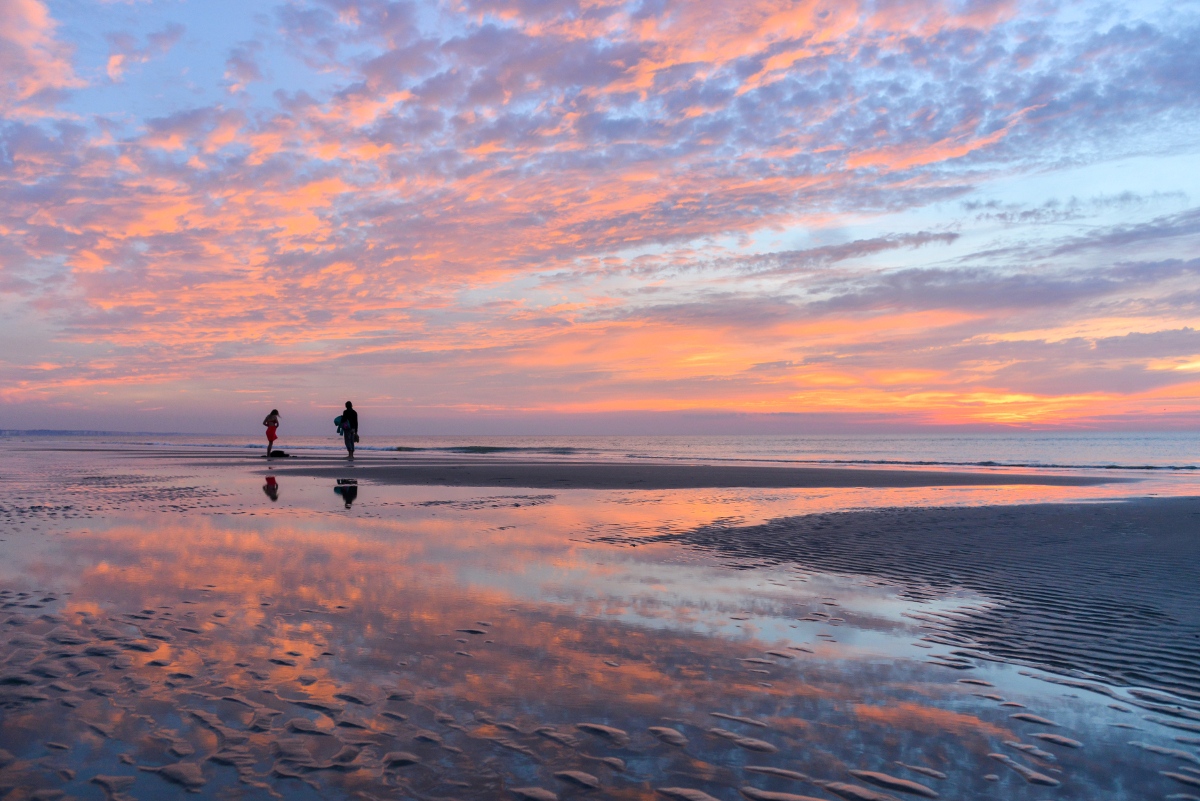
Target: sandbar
(665, 476)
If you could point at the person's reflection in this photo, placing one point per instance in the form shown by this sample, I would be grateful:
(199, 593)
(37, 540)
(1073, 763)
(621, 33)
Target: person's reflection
(271, 489)
(348, 489)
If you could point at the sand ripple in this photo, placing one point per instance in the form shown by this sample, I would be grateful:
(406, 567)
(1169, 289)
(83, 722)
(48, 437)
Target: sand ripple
(1112, 590)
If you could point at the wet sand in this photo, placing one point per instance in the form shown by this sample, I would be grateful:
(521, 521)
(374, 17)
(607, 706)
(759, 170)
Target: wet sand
(1109, 590)
(666, 476)
(175, 625)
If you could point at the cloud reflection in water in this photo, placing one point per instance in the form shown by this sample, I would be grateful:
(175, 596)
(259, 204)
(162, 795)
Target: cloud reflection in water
(447, 645)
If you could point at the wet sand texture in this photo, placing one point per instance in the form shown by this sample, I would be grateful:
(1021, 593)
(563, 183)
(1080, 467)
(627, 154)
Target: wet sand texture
(343, 681)
(1110, 590)
(656, 476)
(160, 716)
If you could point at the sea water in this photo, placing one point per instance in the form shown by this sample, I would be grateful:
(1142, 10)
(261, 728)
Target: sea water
(1073, 450)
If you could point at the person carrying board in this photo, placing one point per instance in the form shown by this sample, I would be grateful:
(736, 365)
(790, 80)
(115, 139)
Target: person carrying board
(347, 426)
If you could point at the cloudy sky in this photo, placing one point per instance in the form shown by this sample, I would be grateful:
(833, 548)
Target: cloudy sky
(588, 214)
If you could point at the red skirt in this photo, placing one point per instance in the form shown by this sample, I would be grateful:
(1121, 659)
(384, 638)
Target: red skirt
(271, 433)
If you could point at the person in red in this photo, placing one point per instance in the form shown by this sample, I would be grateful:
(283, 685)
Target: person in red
(271, 421)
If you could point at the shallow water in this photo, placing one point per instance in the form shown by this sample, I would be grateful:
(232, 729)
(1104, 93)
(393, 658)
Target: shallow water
(170, 628)
(1172, 451)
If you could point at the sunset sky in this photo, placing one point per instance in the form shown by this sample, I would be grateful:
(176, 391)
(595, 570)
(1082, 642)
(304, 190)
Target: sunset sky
(578, 215)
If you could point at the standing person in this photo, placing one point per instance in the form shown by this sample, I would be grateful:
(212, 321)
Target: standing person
(271, 421)
(350, 428)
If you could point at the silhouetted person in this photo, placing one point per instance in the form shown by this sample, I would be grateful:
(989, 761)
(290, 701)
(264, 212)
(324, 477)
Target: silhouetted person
(348, 492)
(271, 421)
(271, 489)
(350, 428)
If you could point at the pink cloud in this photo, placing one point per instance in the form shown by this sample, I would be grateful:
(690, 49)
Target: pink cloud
(123, 49)
(34, 65)
(559, 207)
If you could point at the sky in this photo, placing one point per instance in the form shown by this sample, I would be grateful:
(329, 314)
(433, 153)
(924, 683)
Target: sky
(665, 216)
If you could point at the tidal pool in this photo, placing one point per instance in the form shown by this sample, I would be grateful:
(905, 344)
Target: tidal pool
(172, 629)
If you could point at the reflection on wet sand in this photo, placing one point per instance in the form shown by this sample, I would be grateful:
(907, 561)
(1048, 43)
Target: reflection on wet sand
(347, 488)
(1073, 588)
(467, 647)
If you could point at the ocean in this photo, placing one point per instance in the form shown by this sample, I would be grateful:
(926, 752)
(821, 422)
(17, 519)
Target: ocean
(1157, 451)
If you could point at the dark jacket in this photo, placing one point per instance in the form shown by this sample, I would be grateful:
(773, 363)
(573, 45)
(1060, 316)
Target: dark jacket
(350, 419)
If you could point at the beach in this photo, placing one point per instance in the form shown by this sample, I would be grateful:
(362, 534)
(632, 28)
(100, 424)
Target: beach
(668, 476)
(565, 401)
(473, 627)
